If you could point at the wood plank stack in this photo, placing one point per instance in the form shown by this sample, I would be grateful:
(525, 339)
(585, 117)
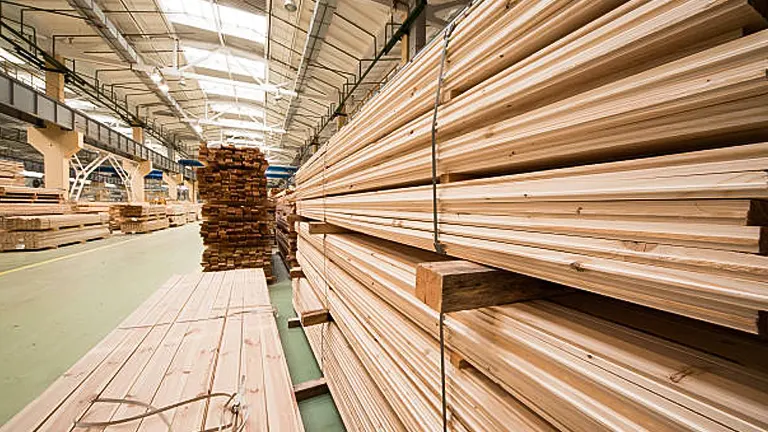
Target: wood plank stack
(208, 335)
(139, 218)
(177, 214)
(613, 151)
(11, 173)
(573, 370)
(236, 210)
(285, 232)
(51, 231)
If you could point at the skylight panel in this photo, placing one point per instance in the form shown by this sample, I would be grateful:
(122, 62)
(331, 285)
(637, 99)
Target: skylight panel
(7, 56)
(237, 109)
(200, 14)
(224, 62)
(228, 90)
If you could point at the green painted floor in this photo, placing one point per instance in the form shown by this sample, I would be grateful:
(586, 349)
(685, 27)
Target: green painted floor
(57, 304)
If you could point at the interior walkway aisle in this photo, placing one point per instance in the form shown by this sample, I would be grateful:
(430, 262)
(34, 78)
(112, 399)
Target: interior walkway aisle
(56, 304)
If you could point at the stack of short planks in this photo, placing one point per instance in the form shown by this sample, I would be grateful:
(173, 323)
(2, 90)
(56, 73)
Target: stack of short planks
(177, 214)
(236, 217)
(23, 201)
(140, 218)
(609, 153)
(51, 231)
(285, 230)
(11, 173)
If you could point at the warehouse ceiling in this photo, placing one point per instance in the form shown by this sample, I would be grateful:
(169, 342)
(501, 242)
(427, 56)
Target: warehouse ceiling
(248, 72)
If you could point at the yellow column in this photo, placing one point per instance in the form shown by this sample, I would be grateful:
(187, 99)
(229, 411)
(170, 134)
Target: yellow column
(57, 146)
(190, 184)
(137, 171)
(138, 134)
(54, 82)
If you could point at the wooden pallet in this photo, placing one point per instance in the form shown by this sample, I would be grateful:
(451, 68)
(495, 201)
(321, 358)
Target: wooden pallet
(198, 334)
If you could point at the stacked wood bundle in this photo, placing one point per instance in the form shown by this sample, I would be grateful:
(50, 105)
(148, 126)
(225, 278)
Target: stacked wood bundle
(177, 214)
(285, 230)
(596, 149)
(25, 195)
(11, 173)
(51, 231)
(139, 218)
(566, 370)
(193, 212)
(236, 226)
(199, 334)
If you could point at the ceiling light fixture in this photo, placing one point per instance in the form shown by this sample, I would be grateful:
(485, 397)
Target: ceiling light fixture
(289, 5)
(156, 77)
(164, 88)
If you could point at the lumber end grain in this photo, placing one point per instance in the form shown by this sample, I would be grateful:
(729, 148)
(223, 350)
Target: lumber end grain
(296, 272)
(450, 286)
(293, 323)
(310, 389)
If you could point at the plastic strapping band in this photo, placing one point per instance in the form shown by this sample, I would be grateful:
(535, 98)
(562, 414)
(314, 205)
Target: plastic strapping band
(436, 232)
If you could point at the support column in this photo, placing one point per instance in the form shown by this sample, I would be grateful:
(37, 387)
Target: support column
(57, 146)
(54, 81)
(173, 181)
(137, 134)
(190, 184)
(417, 34)
(137, 171)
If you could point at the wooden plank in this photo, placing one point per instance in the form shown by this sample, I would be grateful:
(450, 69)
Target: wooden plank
(325, 228)
(296, 272)
(449, 286)
(310, 389)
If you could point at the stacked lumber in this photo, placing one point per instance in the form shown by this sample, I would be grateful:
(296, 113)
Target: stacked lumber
(285, 232)
(236, 228)
(684, 233)
(177, 214)
(139, 218)
(51, 231)
(26, 195)
(11, 173)
(193, 212)
(644, 66)
(200, 334)
(92, 206)
(566, 369)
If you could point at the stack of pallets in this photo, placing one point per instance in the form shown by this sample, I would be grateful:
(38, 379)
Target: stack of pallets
(236, 212)
(143, 218)
(51, 231)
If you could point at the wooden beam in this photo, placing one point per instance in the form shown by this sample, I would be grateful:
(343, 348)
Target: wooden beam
(294, 322)
(325, 228)
(310, 389)
(296, 272)
(314, 318)
(450, 286)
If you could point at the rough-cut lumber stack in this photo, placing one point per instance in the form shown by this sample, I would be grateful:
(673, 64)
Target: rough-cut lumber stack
(11, 173)
(142, 218)
(576, 371)
(23, 195)
(200, 334)
(177, 214)
(236, 211)
(285, 232)
(51, 231)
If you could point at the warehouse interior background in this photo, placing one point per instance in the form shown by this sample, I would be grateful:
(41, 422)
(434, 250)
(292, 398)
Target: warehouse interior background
(383, 215)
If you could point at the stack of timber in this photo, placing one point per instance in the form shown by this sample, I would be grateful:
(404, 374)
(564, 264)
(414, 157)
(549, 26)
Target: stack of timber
(51, 231)
(11, 173)
(545, 364)
(237, 214)
(625, 156)
(21, 201)
(201, 337)
(139, 218)
(193, 212)
(177, 214)
(92, 206)
(285, 231)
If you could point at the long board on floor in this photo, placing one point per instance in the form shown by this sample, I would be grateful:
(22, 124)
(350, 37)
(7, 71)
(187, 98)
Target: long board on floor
(201, 334)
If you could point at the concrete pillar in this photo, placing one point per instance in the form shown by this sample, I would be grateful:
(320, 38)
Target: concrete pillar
(192, 192)
(417, 35)
(341, 120)
(57, 146)
(54, 82)
(137, 134)
(173, 181)
(137, 171)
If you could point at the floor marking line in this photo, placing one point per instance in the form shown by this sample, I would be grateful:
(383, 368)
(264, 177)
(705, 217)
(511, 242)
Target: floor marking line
(48, 261)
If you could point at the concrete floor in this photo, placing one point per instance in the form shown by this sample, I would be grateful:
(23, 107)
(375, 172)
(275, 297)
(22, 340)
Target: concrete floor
(57, 304)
